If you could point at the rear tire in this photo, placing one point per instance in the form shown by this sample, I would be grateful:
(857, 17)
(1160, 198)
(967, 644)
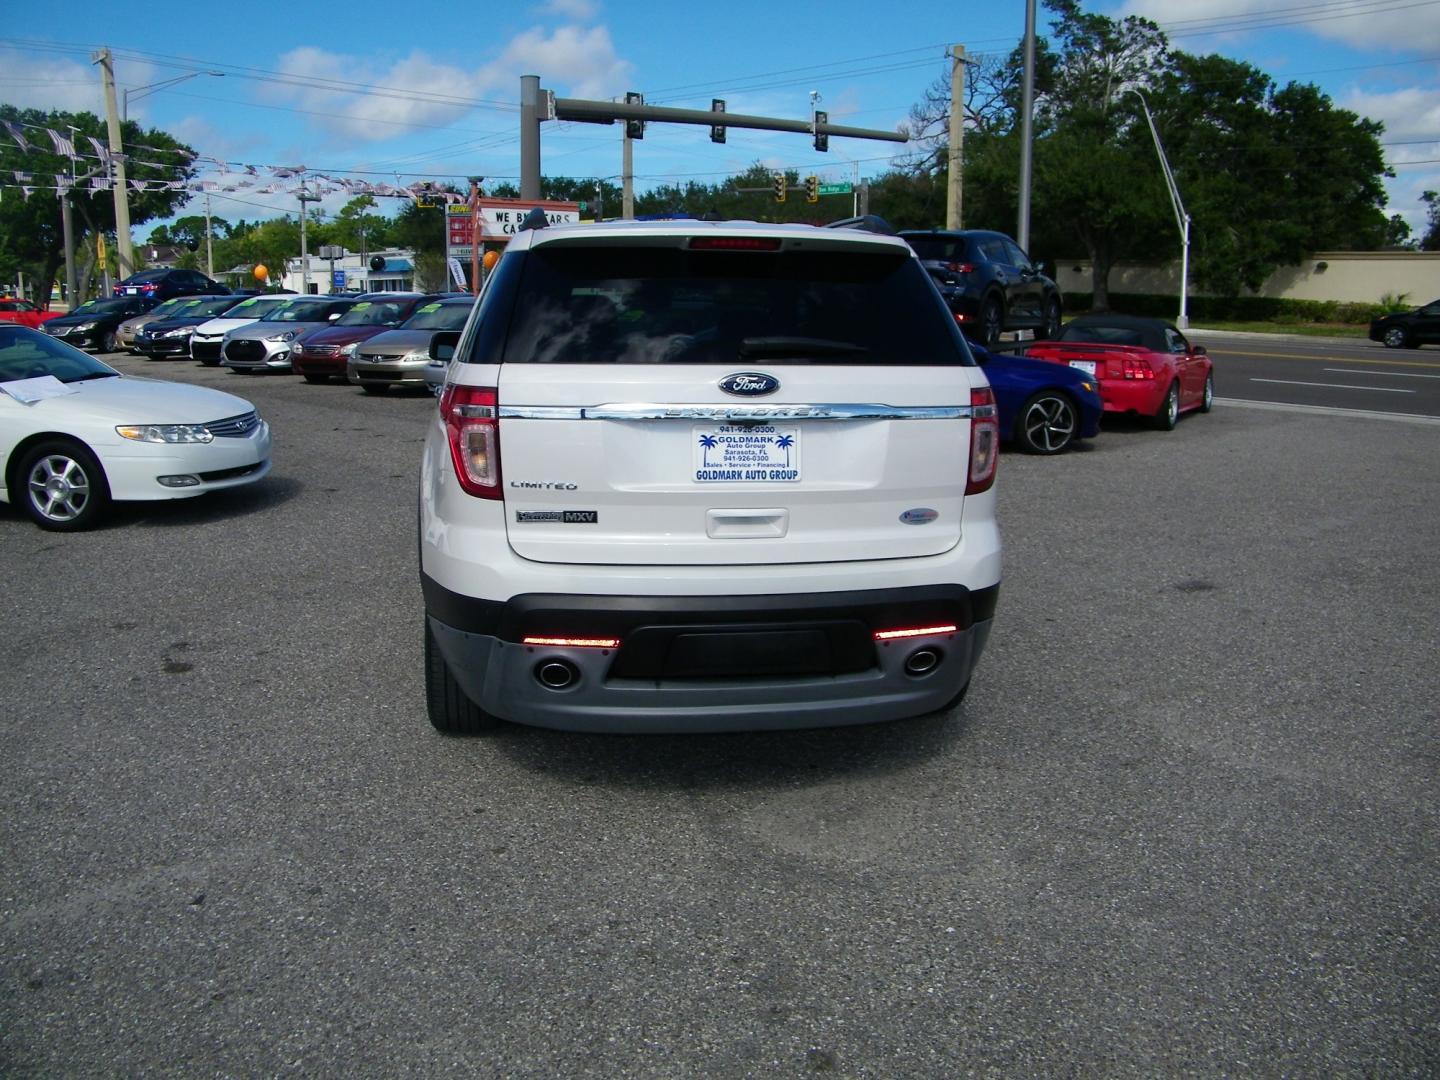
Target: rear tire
(1048, 424)
(1207, 400)
(1169, 414)
(1050, 325)
(992, 321)
(451, 710)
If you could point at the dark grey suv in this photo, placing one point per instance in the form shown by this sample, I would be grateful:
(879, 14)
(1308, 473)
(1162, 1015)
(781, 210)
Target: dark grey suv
(990, 285)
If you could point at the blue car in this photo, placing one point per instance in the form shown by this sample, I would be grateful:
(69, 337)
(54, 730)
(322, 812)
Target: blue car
(1044, 407)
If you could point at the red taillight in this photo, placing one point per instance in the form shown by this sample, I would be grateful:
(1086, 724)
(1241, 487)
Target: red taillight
(1133, 368)
(917, 631)
(961, 317)
(734, 243)
(473, 428)
(960, 268)
(574, 642)
(984, 440)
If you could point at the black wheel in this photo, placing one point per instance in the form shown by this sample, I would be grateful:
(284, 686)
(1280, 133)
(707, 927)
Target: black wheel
(992, 320)
(108, 343)
(374, 388)
(451, 710)
(317, 379)
(65, 488)
(1050, 327)
(1207, 402)
(1047, 424)
(1169, 414)
(1397, 338)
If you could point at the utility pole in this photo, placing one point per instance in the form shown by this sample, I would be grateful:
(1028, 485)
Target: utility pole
(1022, 231)
(305, 197)
(121, 190)
(1182, 219)
(209, 249)
(474, 232)
(627, 176)
(957, 135)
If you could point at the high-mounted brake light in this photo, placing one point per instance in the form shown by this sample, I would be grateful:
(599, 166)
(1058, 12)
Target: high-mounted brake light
(917, 631)
(984, 440)
(734, 243)
(574, 642)
(473, 429)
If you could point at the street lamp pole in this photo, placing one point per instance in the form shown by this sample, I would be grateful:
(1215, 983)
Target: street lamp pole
(150, 88)
(1182, 219)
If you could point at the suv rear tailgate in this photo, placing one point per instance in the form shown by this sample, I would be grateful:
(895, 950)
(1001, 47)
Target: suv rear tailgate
(836, 465)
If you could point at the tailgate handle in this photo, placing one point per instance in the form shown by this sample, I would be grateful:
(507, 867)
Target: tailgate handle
(746, 524)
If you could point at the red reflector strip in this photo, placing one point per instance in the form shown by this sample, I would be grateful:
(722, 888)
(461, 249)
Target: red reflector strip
(734, 243)
(574, 642)
(918, 631)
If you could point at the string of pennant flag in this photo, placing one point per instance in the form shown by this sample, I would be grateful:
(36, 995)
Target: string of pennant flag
(237, 176)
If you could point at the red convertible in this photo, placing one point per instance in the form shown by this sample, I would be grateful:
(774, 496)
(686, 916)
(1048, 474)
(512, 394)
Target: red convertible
(24, 313)
(1143, 366)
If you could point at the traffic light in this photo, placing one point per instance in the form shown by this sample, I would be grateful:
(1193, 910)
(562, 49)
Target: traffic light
(779, 187)
(717, 131)
(822, 142)
(634, 129)
(812, 189)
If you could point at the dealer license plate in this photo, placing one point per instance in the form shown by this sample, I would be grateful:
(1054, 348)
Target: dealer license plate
(1087, 366)
(736, 453)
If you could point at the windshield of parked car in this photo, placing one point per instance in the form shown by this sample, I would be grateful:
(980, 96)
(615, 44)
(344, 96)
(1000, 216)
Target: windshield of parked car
(105, 307)
(28, 355)
(299, 311)
(143, 276)
(439, 317)
(169, 307)
(638, 305)
(375, 313)
(193, 307)
(255, 307)
(939, 248)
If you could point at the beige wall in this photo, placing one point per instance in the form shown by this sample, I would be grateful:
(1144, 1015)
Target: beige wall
(1354, 276)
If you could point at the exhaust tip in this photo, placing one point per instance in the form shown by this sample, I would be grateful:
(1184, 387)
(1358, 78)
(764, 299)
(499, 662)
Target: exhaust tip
(921, 662)
(556, 674)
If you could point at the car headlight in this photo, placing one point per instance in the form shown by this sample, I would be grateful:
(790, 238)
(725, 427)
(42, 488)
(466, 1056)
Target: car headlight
(350, 350)
(184, 331)
(416, 356)
(165, 433)
(288, 335)
(84, 326)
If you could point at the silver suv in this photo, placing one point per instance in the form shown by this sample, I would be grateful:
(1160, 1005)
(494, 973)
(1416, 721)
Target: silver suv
(695, 476)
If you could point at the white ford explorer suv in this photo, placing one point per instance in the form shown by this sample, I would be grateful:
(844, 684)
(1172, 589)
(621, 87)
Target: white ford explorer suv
(706, 476)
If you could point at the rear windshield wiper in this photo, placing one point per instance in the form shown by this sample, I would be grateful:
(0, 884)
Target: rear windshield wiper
(798, 346)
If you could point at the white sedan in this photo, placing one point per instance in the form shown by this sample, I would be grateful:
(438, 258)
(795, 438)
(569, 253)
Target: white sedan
(75, 434)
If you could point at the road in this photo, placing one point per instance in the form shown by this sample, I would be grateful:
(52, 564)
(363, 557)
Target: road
(1186, 822)
(1325, 372)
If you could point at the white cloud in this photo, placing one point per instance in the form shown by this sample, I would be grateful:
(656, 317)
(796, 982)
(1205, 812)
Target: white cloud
(1402, 28)
(579, 10)
(1411, 113)
(581, 61)
(41, 81)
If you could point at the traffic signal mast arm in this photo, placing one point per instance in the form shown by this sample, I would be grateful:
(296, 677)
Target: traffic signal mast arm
(607, 112)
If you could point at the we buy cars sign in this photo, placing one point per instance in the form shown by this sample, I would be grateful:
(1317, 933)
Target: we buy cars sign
(499, 220)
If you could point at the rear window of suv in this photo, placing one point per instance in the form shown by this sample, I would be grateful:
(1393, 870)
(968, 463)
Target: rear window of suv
(607, 304)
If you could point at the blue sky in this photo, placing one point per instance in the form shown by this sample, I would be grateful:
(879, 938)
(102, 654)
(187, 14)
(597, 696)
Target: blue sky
(394, 94)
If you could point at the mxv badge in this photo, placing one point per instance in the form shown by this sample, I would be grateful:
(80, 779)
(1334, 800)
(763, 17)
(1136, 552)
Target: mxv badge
(749, 384)
(558, 517)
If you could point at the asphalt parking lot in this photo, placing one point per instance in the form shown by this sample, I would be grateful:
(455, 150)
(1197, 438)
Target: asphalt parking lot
(1185, 823)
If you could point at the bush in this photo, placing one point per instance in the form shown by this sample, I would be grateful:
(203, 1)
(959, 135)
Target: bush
(1236, 308)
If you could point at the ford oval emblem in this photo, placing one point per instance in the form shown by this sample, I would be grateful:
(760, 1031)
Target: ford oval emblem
(749, 384)
(921, 515)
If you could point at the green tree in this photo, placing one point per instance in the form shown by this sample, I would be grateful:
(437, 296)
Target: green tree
(355, 229)
(1431, 240)
(31, 238)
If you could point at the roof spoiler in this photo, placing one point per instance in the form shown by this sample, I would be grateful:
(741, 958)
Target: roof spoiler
(865, 223)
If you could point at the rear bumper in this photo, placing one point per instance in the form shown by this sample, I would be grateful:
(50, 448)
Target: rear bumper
(713, 663)
(1130, 396)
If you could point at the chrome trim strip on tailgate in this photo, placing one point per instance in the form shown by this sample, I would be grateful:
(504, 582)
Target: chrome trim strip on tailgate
(742, 413)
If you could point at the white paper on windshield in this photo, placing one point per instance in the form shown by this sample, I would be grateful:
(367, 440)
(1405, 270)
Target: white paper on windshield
(29, 391)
